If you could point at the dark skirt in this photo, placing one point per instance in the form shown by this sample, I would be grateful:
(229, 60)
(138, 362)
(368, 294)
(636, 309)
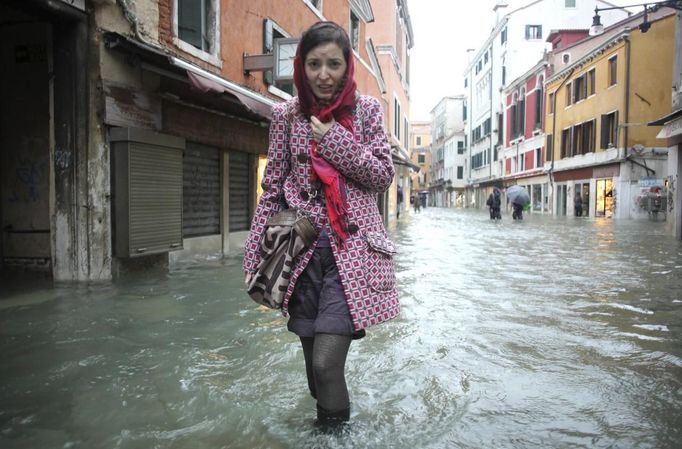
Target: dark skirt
(318, 304)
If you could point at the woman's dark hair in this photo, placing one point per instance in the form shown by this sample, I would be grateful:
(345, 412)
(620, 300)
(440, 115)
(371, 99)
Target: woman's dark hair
(322, 33)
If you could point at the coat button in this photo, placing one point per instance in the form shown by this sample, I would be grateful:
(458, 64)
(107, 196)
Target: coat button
(304, 195)
(302, 157)
(353, 228)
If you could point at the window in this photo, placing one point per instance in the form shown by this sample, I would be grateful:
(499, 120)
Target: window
(533, 32)
(538, 157)
(569, 3)
(460, 147)
(500, 125)
(580, 88)
(486, 127)
(466, 82)
(197, 23)
(565, 143)
(587, 145)
(396, 118)
(539, 96)
(577, 141)
(549, 147)
(503, 36)
(513, 116)
(550, 103)
(406, 133)
(504, 75)
(485, 57)
(354, 31)
(464, 111)
(477, 160)
(566, 58)
(609, 130)
(421, 158)
(569, 98)
(590, 83)
(460, 172)
(522, 112)
(419, 141)
(613, 70)
(272, 31)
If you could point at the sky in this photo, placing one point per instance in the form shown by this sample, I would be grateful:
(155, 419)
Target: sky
(443, 31)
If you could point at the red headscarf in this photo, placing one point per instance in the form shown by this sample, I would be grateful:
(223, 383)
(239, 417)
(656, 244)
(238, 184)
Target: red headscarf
(341, 109)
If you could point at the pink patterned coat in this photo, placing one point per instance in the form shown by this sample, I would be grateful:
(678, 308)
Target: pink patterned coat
(365, 259)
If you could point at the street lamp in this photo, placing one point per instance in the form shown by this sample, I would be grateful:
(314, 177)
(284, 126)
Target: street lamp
(597, 28)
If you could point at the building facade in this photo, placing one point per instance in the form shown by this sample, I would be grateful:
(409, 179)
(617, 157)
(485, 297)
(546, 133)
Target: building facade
(516, 43)
(144, 125)
(599, 106)
(523, 159)
(392, 36)
(420, 154)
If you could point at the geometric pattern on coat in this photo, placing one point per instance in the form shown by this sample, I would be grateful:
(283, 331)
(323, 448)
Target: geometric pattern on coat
(365, 258)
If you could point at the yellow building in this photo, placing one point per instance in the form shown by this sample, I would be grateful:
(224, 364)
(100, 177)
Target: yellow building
(604, 91)
(420, 153)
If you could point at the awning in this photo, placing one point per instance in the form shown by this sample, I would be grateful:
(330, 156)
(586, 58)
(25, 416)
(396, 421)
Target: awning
(400, 158)
(205, 82)
(198, 78)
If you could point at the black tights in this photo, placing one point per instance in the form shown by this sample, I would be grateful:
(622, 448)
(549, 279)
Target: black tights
(325, 360)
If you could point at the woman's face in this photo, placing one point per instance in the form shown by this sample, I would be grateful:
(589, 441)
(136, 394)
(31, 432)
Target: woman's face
(325, 67)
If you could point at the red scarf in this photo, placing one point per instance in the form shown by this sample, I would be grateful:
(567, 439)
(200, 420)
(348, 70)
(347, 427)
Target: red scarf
(341, 109)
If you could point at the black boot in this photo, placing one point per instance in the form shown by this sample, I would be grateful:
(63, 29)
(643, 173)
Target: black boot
(332, 422)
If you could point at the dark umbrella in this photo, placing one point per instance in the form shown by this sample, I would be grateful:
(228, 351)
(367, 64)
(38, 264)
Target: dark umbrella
(518, 195)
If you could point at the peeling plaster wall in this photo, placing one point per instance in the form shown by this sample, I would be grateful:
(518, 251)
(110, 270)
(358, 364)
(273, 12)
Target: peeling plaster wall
(122, 16)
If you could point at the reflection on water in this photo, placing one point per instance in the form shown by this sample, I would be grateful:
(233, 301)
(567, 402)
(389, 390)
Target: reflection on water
(550, 332)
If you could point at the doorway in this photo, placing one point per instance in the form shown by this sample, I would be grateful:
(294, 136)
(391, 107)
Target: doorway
(25, 142)
(561, 200)
(604, 201)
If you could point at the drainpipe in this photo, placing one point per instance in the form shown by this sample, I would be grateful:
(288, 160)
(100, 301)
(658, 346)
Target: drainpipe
(626, 119)
(492, 144)
(556, 95)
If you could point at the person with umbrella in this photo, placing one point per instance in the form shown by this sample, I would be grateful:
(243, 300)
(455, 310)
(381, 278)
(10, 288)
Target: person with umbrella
(519, 198)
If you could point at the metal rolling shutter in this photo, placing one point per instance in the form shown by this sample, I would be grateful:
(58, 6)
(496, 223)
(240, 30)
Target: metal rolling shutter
(147, 182)
(240, 191)
(201, 190)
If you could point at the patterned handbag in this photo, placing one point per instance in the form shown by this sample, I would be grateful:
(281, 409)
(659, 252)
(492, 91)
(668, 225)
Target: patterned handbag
(287, 234)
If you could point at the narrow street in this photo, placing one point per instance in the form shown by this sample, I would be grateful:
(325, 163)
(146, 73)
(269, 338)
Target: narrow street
(552, 332)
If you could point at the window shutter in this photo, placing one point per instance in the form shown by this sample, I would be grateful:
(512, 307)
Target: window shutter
(527, 32)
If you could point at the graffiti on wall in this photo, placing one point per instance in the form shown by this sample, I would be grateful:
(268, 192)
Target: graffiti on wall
(30, 180)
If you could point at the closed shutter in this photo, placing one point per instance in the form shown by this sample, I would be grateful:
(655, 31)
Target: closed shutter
(240, 191)
(201, 191)
(155, 198)
(147, 186)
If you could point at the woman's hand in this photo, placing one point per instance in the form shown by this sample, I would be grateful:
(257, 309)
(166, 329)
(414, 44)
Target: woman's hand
(247, 278)
(319, 128)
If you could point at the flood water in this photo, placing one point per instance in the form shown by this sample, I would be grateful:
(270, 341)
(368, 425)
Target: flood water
(546, 333)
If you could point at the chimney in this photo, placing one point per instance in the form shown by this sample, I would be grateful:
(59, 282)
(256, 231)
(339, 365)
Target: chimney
(499, 10)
